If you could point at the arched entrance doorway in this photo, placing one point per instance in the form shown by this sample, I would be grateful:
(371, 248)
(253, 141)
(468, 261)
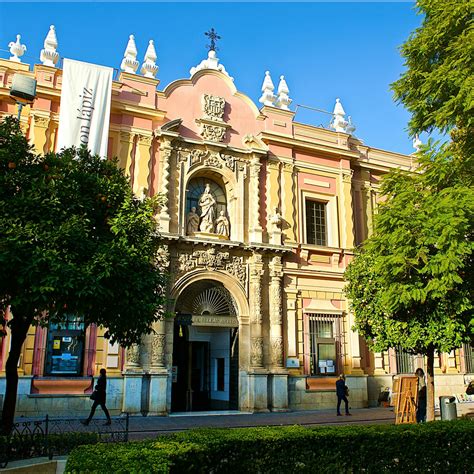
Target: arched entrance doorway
(205, 349)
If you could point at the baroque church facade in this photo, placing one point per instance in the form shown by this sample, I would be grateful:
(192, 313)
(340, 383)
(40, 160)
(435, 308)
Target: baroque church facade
(259, 218)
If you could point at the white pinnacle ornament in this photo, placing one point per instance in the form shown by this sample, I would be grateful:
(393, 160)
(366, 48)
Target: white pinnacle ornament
(283, 100)
(338, 122)
(268, 98)
(212, 62)
(16, 49)
(417, 143)
(129, 61)
(350, 128)
(49, 56)
(149, 67)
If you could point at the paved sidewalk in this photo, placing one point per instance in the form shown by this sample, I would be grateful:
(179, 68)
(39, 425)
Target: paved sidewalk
(148, 427)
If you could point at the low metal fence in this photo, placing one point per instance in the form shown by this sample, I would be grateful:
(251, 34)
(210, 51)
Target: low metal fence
(51, 437)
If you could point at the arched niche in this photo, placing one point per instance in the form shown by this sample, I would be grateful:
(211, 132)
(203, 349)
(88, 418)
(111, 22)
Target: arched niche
(223, 184)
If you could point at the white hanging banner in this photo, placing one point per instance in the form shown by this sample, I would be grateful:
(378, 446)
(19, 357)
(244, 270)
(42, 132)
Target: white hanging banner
(85, 106)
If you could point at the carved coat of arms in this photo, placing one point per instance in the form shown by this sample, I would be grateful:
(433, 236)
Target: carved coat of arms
(213, 107)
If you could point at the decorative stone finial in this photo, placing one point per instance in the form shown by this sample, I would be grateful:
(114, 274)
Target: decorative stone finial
(338, 122)
(149, 67)
(49, 56)
(129, 61)
(350, 128)
(283, 100)
(268, 97)
(16, 49)
(212, 62)
(417, 143)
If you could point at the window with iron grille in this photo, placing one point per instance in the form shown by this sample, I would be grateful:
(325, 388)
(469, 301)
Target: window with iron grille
(405, 361)
(324, 344)
(316, 222)
(469, 358)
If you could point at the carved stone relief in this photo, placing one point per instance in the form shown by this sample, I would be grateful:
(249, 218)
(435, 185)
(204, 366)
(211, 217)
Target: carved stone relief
(213, 107)
(158, 342)
(212, 259)
(256, 352)
(277, 351)
(214, 133)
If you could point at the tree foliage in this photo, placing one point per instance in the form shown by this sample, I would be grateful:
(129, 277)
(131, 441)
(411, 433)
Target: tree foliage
(74, 240)
(437, 87)
(410, 285)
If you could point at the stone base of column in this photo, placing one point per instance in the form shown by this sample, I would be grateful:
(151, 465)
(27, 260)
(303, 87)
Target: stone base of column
(279, 392)
(132, 393)
(157, 396)
(258, 392)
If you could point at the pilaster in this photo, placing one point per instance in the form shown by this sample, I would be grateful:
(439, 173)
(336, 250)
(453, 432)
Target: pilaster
(142, 164)
(347, 230)
(355, 368)
(255, 227)
(125, 151)
(39, 133)
(291, 321)
(272, 199)
(165, 157)
(288, 207)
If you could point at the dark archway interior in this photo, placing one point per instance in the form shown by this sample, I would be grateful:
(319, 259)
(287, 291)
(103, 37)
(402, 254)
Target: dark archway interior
(205, 359)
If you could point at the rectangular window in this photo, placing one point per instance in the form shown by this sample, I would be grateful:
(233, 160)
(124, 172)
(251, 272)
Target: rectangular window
(316, 223)
(469, 358)
(325, 344)
(405, 361)
(65, 347)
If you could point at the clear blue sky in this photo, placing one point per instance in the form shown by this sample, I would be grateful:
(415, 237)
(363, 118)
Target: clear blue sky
(325, 50)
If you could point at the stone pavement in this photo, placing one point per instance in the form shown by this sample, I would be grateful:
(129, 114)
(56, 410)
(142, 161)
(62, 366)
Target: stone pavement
(148, 427)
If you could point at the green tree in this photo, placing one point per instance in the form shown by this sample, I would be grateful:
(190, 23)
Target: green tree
(73, 240)
(411, 283)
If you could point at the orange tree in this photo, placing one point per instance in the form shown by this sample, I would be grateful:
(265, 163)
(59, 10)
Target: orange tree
(73, 240)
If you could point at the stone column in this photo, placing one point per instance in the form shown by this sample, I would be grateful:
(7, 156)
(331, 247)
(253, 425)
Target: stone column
(256, 349)
(279, 377)
(165, 157)
(142, 165)
(254, 207)
(158, 372)
(133, 379)
(258, 386)
(276, 313)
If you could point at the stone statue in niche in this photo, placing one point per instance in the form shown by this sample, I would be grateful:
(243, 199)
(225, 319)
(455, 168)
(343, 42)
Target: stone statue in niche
(222, 225)
(192, 222)
(207, 203)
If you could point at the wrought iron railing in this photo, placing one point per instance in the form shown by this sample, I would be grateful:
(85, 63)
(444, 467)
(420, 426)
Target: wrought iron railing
(51, 437)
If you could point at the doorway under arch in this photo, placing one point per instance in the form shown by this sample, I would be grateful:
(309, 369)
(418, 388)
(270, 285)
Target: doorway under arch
(205, 349)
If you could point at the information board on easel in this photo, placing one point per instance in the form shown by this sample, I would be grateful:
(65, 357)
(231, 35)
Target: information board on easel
(406, 399)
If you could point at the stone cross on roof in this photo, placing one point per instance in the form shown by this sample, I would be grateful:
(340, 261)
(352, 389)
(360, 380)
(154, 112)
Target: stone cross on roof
(213, 36)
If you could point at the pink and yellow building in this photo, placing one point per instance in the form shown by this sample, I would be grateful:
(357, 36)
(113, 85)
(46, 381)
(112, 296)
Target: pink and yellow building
(256, 269)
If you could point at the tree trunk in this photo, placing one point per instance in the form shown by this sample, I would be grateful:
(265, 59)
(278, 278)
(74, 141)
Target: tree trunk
(19, 329)
(430, 395)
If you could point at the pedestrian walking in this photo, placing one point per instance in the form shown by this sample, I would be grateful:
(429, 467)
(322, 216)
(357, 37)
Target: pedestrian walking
(421, 407)
(99, 396)
(342, 393)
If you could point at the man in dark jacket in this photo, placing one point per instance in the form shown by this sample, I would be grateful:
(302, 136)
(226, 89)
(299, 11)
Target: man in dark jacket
(99, 395)
(342, 392)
